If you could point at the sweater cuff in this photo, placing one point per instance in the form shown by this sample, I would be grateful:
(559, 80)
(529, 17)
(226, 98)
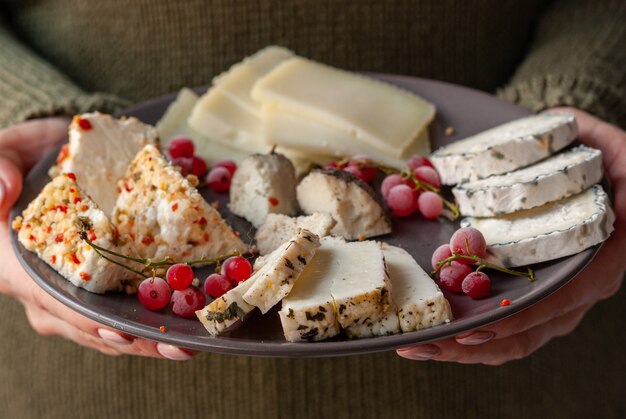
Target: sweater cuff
(583, 92)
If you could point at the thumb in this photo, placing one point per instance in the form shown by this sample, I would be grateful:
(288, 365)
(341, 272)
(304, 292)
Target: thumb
(10, 184)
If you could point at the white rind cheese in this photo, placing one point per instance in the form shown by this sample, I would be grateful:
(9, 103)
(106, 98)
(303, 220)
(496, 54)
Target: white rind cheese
(278, 228)
(50, 227)
(349, 201)
(280, 275)
(308, 312)
(419, 301)
(100, 153)
(555, 230)
(263, 184)
(372, 112)
(361, 289)
(504, 148)
(560, 176)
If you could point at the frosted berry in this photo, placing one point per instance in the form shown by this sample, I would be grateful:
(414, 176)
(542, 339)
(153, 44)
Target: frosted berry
(440, 253)
(451, 276)
(427, 175)
(219, 179)
(430, 205)
(468, 241)
(401, 200)
(476, 285)
(389, 182)
(180, 147)
(418, 161)
(216, 285)
(229, 165)
(186, 302)
(356, 172)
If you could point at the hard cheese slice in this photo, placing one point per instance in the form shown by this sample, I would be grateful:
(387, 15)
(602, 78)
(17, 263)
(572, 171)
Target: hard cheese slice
(50, 227)
(558, 177)
(164, 215)
(277, 229)
(557, 229)
(378, 114)
(504, 148)
(419, 301)
(99, 151)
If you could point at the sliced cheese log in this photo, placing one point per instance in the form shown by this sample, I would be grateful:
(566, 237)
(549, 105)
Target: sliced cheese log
(350, 202)
(285, 127)
(557, 229)
(308, 313)
(164, 214)
(374, 113)
(504, 148)
(277, 278)
(361, 289)
(560, 176)
(174, 123)
(419, 300)
(50, 227)
(278, 228)
(100, 149)
(263, 184)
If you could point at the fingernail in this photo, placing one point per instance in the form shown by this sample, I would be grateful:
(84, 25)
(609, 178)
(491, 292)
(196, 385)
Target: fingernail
(173, 352)
(475, 338)
(3, 192)
(114, 337)
(420, 353)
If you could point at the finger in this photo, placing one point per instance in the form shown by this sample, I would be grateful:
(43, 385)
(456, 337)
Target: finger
(10, 185)
(499, 351)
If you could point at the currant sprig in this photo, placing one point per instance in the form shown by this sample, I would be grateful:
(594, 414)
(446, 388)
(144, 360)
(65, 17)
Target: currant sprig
(482, 264)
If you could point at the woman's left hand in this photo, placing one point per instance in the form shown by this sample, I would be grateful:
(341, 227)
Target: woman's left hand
(557, 315)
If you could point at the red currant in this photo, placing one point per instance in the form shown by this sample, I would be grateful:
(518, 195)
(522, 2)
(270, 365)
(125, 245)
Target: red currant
(198, 166)
(476, 285)
(440, 253)
(181, 147)
(184, 163)
(179, 276)
(401, 200)
(237, 269)
(229, 165)
(418, 161)
(468, 241)
(186, 302)
(452, 275)
(154, 293)
(217, 285)
(219, 179)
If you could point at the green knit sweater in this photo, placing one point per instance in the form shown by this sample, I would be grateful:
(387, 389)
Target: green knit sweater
(69, 56)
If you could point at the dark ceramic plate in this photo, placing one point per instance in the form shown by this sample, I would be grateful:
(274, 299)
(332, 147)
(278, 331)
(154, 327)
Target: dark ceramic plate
(468, 111)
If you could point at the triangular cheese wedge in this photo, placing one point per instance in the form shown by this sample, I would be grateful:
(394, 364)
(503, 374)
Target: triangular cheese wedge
(164, 215)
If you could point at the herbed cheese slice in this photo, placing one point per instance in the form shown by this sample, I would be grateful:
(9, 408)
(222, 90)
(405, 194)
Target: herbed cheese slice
(555, 230)
(419, 300)
(50, 227)
(557, 177)
(350, 202)
(504, 148)
(361, 289)
(374, 113)
(263, 184)
(100, 149)
(278, 228)
(280, 275)
(308, 313)
(164, 215)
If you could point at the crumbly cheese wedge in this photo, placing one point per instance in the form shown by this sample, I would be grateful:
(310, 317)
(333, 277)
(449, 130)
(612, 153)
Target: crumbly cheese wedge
(349, 201)
(50, 227)
(278, 228)
(374, 113)
(557, 229)
(279, 275)
(164, 214)
(174, 123)
(263, 184)
(308, 313)
(419, 301)
(99, 151)
(361, 289)
(557, 177)
(285, 127)
(504, 148)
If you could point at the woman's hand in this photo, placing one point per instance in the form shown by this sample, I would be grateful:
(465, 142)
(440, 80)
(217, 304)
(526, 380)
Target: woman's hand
(21, 146)
(559, 314)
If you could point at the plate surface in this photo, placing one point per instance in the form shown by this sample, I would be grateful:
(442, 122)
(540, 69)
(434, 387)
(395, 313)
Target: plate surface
(466, 110)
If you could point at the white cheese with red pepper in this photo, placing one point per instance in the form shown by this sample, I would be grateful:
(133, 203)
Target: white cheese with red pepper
(419, 301)
(350, 202)
(164, 215)
(278, 228)
(51, 226)
(554, 230)
(263, 184)
(557, 177)
(100, 149)
(504, 148)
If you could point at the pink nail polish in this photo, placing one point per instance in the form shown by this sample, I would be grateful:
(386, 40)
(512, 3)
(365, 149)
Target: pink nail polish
(475, 338)
(173, 352)
(114, 337)
(420, 353)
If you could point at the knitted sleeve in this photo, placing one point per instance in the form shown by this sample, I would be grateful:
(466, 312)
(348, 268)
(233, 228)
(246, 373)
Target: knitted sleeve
(578, 58)
(30, 87)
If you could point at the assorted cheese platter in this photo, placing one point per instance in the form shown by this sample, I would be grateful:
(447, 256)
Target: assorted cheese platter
(345, 276)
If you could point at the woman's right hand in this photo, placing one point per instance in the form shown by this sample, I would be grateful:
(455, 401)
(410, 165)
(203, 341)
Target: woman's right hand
(21, 146)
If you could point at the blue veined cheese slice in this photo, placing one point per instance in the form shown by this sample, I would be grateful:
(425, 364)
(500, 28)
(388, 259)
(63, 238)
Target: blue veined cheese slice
(504, 148)
(557, 177)
(308, 313)
(419, 301)
(371, 112)
(558, 229)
